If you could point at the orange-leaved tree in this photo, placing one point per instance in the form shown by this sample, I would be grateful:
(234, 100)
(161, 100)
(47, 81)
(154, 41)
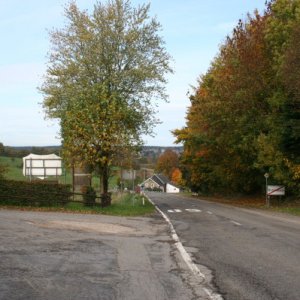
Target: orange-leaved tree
(177, 176)
(167, 163)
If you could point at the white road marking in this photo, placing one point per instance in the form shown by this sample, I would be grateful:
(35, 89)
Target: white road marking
(29, 222)
(186, 257)
(209, 212)
(236, 223)
(193, 210)
(170, 210)
(178, 210)
(212, 295)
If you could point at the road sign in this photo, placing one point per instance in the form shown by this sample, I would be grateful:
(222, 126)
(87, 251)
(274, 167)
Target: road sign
(275, 190)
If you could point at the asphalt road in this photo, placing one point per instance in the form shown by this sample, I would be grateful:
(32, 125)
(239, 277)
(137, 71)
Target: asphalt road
(250, 254)
(53, 256)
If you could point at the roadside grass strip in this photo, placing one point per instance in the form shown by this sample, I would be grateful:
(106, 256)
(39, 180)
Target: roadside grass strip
(122, 205)
(290, 210)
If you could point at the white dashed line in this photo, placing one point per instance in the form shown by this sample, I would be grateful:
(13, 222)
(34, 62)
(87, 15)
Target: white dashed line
(209, 212)
(193, 210)
(176, 210)
(236, 223)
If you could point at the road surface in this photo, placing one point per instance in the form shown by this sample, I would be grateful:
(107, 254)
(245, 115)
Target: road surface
(251, 254)
(50, 256)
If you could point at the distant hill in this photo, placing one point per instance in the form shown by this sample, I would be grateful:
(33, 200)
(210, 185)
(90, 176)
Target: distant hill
(156, 149)
(21, 151)
(33, 147)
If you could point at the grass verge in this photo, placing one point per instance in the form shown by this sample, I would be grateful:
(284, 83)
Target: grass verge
(122, 205)
(289, 210)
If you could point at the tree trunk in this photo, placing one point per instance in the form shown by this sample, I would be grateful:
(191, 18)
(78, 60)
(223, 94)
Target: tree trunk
(105, 196)
(100, 182)
(105, 179)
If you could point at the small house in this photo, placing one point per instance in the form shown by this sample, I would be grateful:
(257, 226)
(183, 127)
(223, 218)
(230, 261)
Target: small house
(160, 182)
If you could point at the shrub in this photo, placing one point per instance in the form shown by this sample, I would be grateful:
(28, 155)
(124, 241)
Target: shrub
(3, 170)
(89, 195)
(33, 193)
(105, 199)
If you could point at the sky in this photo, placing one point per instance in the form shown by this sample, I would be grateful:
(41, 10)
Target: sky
(192, 29)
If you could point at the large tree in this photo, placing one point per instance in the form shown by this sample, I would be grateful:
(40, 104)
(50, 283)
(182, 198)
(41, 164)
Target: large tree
(105, 70)
(244, 115)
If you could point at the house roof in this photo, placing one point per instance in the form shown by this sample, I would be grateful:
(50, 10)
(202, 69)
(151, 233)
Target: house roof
(160, 179)
(149, 179)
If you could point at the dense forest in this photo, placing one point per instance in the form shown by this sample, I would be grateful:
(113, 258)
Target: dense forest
(244, 117)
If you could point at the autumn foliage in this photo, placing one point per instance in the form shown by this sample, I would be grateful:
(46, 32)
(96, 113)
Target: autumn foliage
(167, 163)
(244, 117)
(177, 177)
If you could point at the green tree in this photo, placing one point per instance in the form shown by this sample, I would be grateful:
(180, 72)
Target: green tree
(104, 71)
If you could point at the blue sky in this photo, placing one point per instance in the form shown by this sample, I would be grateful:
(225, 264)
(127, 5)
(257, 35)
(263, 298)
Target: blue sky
(193, 31)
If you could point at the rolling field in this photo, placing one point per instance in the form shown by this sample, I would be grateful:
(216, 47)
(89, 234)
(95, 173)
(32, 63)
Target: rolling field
(14, 168)
(15, 172)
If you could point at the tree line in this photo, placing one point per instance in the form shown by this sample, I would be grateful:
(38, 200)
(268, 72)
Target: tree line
(9, 151)
(244, 117)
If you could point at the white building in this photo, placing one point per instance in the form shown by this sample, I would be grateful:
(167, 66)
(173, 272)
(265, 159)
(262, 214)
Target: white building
(159, 182)
(42, 166)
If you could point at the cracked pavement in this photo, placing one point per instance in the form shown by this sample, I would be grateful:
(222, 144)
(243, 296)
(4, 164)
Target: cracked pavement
(76, 256)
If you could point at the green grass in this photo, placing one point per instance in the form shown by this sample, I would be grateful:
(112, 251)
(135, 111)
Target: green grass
(14, 168)
(290, 210)
(15, 172)
(122, 205)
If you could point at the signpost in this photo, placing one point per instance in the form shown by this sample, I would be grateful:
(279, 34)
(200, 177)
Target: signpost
(275, 190)
(267, 197)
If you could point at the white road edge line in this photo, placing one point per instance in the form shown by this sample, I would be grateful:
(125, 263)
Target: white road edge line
(186, 257)
(236, 223)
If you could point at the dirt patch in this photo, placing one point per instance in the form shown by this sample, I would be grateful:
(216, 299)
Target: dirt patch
(89, 226)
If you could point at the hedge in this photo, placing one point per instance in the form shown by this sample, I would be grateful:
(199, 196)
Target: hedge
(24, 193)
